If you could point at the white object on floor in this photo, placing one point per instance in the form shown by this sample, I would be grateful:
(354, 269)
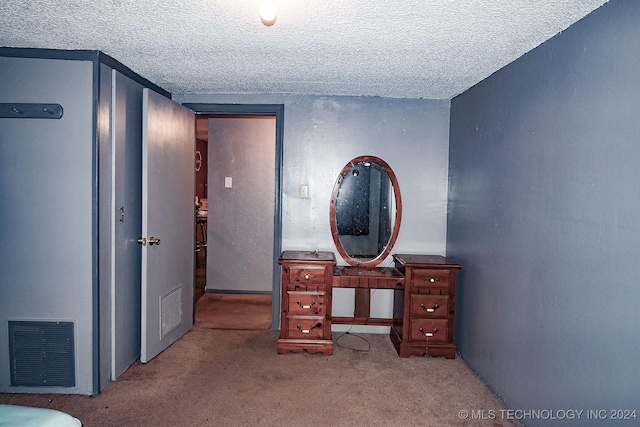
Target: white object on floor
(24, 416)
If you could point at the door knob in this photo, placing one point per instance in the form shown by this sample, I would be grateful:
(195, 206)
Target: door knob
(154, 241)
(142, 241)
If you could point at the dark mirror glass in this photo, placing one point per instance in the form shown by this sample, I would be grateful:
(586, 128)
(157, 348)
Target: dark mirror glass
(365, 211)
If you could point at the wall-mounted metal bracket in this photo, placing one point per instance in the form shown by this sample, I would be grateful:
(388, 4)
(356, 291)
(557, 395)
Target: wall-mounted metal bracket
(14, 110)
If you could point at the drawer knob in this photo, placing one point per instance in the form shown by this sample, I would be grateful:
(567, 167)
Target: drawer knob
(430, 310)
(429, 334)
(306, 306)
(307, 331)
(308, 276)
(433, 279)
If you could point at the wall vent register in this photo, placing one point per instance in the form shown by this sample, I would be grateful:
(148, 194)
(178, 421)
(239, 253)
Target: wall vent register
(41, 354)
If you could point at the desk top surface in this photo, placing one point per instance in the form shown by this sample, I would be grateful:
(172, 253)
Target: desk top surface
(373, 272)
(434, 261)
(307, 256)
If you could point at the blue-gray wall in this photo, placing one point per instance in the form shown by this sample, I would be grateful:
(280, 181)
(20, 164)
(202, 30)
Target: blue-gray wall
(544, 216)
(46, 202)
(322, 133)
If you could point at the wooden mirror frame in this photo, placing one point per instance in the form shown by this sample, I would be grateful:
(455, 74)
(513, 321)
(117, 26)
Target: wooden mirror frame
(396, 223)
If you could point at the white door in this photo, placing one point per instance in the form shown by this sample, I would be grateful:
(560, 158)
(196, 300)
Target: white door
(168, 215)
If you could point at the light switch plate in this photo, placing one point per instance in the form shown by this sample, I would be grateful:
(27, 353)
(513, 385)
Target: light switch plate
(228, 182)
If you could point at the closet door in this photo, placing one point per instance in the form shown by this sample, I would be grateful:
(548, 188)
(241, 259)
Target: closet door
(126, 226)
(168, 216)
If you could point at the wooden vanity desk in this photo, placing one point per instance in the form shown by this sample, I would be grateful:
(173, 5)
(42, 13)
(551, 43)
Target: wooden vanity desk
(423, 302)
(365, 215)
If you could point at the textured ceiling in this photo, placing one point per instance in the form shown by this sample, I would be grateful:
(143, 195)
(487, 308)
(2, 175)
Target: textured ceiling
(400, 49)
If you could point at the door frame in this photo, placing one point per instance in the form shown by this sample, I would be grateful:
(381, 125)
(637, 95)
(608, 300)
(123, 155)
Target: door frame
(277, 110)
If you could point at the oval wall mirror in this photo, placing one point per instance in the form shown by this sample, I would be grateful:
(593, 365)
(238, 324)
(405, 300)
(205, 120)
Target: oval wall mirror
(366, 209)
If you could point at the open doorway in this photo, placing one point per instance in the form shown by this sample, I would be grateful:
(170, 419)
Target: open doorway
(201, 206)
(238, 154)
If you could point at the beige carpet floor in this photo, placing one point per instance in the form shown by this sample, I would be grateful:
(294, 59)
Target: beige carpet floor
(216, 376)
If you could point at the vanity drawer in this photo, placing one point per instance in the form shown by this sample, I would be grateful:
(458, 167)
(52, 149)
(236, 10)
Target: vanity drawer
(429, 306)
(307, 275)
(307, 327)
(422, 277)
(429, 330)
(306, 303)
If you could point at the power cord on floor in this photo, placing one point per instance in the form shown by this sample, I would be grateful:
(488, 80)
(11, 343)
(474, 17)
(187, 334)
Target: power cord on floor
(348, 332)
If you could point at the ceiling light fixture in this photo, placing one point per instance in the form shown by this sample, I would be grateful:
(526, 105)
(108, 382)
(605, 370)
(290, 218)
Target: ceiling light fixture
(268, 12)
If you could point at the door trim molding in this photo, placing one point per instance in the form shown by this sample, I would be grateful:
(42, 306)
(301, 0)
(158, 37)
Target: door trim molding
(276, 110)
